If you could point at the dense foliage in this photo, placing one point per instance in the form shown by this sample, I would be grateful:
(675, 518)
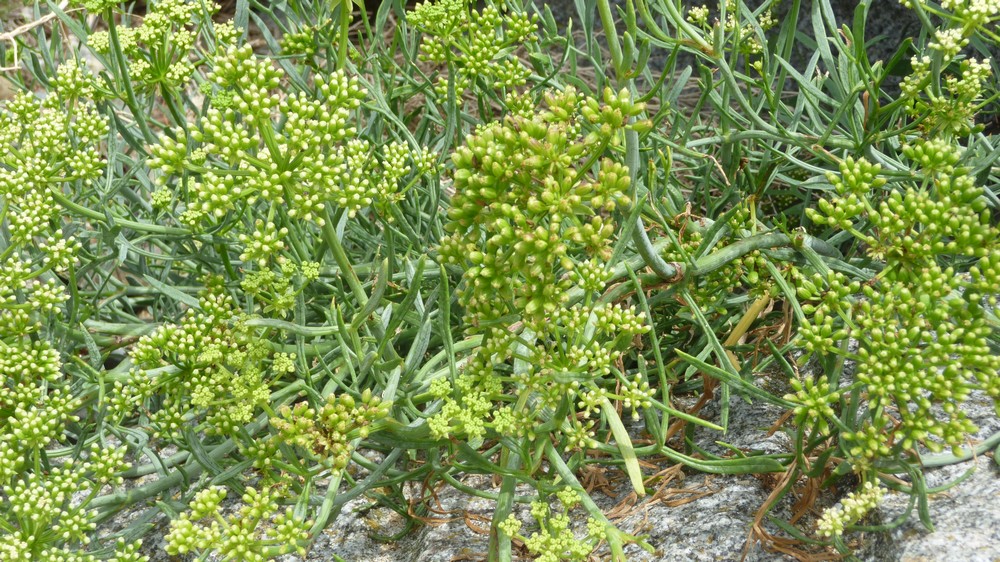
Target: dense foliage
(259, 261)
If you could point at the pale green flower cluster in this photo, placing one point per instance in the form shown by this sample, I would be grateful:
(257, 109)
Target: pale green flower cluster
(574, 360)
(748, 42)
(942, 100)
(850, 510)
(274, 291)
(41, 142)
(263, 242)
(160, 51)
(46, 512)
(527, 227)
(698, 15)
(48, 149)
(302, 41)
(325, 433)
(922, 329)
(474, 45)
(210, 367)
(96, 6)
(815, 403)
(260, 530)
(518, 189)
(555, 541)
(289, 156)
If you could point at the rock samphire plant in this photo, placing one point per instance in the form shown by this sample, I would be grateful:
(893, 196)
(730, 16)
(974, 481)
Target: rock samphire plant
(265, 261)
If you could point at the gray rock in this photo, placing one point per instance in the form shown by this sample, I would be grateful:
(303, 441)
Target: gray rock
(688, 516)
(708, 517)
(966, 518)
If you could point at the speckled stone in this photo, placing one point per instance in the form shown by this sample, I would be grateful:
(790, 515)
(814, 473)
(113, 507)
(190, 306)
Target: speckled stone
(714, 524)
(966, 518)
(689, 516)
(694, 517)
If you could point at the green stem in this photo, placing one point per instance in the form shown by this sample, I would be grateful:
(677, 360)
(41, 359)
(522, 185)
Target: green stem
(340, 256)
(674, 272)
(500, 544)
(297, 329)
(122, 65)
(345, 31)
(615, 537)
(94, 215)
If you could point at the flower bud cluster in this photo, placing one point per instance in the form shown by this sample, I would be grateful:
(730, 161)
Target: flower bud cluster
(743, 36)
(698, 15)
(211, 363)
(263, 242)
(470, 405)
(522, 210)
(857, 178)
(73, 81)
(555, 540)
(96, 6)
(48, 146)
(526, 225)
(275, 291)
(850, 510)
(326, 433)
(44, 517)
(303, 41)
(814, 403)
(921, 325)
(944, 101)
(35, 419)
(867, 444)
(286, 156)
(475, 46)
(160, 51)
(568, 371)
(258, 531)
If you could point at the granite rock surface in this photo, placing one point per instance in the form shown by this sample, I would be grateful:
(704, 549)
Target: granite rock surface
(689, 516)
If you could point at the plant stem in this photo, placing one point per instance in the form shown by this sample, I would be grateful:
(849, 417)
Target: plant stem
(94, 215)
(340, 256)
(614, 536)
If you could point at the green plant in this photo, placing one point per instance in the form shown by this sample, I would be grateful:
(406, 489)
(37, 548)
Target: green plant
(49, 472)
(555, 540)
(303, 262)
(473, 45)
(237, 537)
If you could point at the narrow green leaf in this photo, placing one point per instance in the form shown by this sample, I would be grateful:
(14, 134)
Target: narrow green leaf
(173, 292)
(94, 356)
(199, 452)
(734, 380)
(232, 472)
(381, 281)
(241, 17)
(624, 443)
